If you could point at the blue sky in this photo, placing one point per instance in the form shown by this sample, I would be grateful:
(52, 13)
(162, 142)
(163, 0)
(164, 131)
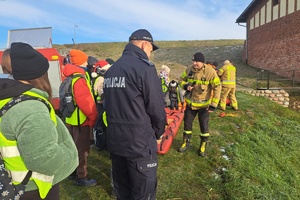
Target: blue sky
(114, 20)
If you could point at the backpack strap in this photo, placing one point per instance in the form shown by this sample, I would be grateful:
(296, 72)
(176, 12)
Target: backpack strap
(78, 118)
(18, 99)
(27, 177)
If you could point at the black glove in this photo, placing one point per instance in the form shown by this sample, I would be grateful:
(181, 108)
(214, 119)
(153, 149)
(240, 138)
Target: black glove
(185, 86)
(211, 108)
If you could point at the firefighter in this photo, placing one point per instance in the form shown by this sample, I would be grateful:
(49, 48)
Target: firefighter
(227, 75)
(199, 81)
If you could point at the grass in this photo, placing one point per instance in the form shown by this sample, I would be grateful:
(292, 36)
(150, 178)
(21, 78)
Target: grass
(253, 153)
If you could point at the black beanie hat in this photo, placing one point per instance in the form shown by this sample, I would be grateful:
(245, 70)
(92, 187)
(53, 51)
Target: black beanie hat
(198, 57)
(26, 62)
(215, 64)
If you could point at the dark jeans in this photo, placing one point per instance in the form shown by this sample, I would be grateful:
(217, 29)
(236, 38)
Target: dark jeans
(135, 178)
(203, 118)
(174, 105)
(53, 194)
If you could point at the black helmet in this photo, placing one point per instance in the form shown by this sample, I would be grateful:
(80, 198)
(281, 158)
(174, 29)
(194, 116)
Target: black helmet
(215, 64)
(110, 61)
(209, 62)
(92, 60)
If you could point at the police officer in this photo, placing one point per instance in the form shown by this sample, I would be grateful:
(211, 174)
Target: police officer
(136, 118)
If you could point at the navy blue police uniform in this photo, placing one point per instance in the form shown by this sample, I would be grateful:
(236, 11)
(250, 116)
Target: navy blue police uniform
(136, 119)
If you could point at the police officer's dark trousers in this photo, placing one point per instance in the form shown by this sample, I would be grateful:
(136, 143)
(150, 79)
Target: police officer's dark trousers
(135, 178)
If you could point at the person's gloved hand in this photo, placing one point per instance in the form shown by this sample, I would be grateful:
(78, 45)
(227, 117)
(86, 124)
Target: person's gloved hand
(185, 86)
(211, 109)
(160, 137)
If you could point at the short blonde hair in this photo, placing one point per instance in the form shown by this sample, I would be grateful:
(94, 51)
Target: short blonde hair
(165, 68)
(227, 62)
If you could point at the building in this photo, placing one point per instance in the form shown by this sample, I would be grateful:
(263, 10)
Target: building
(273, 36)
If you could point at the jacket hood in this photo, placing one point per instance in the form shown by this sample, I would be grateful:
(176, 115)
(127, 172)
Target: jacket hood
(12, 88)
(70, 69)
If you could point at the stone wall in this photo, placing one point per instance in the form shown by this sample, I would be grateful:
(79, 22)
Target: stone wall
(278, 96)
(295, 104)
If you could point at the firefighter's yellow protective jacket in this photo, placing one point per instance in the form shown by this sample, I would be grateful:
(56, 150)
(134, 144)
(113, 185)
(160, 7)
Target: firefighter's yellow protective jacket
(205, 83)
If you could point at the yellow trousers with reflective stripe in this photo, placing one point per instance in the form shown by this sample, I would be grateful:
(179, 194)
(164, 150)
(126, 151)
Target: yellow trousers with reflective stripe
(230, 93)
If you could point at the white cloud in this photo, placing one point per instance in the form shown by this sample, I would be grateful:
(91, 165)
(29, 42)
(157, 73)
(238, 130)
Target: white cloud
(114, 20)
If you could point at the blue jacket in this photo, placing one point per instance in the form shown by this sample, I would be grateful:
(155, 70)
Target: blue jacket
(134, 105)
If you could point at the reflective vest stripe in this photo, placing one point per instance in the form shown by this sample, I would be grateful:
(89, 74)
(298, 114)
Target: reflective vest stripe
(10, 151)
(42, 177)
(18, 176)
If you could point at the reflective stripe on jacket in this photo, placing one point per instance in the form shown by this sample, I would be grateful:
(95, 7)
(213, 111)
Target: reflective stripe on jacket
(227, 74)
(14, 162)
(205, 83)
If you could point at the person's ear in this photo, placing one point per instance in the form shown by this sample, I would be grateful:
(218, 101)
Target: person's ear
(144, 45)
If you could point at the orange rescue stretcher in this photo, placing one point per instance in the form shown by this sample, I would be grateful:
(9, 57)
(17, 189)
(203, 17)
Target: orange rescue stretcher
(174, 119)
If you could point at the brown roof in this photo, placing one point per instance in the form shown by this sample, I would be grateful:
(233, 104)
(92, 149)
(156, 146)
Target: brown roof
(243, 17)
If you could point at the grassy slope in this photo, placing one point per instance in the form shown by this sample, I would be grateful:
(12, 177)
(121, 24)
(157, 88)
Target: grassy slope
(252, 153)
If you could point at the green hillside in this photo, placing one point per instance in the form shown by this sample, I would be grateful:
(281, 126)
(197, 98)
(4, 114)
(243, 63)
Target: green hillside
(178, 54)
(253, 153)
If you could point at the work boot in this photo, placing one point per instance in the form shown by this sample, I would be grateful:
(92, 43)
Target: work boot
(86, 182)
(186, 142)
(202, 148)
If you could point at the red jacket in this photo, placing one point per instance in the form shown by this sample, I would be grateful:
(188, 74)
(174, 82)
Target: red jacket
(83, 95)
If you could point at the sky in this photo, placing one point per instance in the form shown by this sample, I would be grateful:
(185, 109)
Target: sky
(92, 21)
